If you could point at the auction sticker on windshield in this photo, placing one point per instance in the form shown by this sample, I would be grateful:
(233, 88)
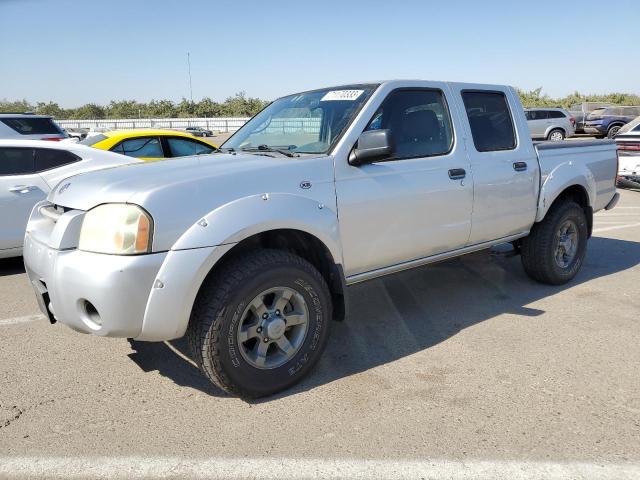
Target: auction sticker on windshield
(341, 95)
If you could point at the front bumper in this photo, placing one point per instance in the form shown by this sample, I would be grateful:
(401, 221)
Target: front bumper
(89, 292)
(595, 130)
(146, 297)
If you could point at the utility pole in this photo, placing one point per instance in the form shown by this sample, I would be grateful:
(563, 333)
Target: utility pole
(190, 87)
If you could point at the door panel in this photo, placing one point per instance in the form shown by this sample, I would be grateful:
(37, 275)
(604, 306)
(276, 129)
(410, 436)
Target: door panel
(504, 164)
(408, 208)
(18, 195)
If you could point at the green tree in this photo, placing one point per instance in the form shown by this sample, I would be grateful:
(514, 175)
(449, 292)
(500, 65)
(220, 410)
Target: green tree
(50, 108)
(160, 109)
(90, 111)
(16, 106)
(125, 109)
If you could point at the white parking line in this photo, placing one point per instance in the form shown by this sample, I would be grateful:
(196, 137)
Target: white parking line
(289, 468)
(258, 468)
(14, 321)
(606, 215)
(618, 227)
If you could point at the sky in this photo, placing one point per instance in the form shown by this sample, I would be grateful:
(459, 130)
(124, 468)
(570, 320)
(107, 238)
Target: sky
(76, 52)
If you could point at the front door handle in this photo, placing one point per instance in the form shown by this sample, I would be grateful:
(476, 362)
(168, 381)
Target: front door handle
(22, 188)
(457, 173)
(519, 166)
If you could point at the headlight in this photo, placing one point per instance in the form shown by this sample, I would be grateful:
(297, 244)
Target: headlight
(116, 228)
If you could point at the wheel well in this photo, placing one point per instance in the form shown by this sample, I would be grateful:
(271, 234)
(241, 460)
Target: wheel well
(577, 194)
(557, 128)
(304, 245)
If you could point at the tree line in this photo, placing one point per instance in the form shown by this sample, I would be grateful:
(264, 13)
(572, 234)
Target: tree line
(240, 105)
(237, 106)
(535, 98)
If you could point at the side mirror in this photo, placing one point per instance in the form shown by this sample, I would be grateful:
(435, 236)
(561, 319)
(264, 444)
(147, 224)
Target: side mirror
(372, 145)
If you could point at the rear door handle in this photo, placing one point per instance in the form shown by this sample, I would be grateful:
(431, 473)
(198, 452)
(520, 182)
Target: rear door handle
(22, 188)
(457, 173)
(519, 166)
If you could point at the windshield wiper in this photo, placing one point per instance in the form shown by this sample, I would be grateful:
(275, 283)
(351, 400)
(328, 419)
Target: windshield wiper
(267, 148)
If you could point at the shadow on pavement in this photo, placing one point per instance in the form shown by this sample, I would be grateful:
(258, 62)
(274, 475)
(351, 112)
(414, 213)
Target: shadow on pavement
(11, 266)
(399, 315)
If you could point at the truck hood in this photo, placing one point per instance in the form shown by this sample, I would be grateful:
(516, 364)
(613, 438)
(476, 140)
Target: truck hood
(178, 192)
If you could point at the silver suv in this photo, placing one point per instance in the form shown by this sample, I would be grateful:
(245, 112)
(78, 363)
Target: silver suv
(27, 126)
(550, 123)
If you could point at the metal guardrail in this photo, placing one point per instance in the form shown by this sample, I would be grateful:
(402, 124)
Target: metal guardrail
(276, 125)
(230, 124)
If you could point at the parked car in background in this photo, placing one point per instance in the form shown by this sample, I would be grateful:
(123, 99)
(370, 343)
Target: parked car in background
(74, 133)
(628, 142)
(149, 144)
(606, 122)
(251, 255)
(27, 126)
(581, 110)
(552, 124)
(29, 169)
(199, 132)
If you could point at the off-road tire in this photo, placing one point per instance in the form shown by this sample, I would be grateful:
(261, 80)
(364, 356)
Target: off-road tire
(538, 249)
(212, 331)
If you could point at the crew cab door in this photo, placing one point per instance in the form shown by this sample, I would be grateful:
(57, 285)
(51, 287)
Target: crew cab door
(503, 161)
(417, 202)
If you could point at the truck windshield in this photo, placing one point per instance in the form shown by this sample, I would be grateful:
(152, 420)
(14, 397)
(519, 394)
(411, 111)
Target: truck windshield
(307, 122)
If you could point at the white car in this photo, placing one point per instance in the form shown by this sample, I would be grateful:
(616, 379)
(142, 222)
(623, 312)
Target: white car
(27, 126)
(29, 169)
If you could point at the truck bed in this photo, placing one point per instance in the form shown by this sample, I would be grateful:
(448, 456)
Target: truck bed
(595, 160)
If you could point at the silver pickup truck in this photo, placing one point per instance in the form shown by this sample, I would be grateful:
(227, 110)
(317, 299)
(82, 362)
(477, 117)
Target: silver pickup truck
(249, 251)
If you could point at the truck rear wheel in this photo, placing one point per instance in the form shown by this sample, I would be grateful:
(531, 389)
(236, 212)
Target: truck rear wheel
(261, 323)
(554, 250)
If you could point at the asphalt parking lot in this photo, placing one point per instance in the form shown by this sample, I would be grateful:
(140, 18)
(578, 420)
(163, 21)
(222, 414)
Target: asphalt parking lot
(463, 361)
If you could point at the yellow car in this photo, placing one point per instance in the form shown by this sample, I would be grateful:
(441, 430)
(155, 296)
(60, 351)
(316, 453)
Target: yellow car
(149, 144)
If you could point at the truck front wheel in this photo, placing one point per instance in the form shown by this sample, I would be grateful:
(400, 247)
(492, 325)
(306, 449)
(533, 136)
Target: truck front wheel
(260, 323)
(554, 250)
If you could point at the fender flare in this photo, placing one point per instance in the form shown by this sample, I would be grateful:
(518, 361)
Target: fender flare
(248, 216)
(207, 241)
(559, 179)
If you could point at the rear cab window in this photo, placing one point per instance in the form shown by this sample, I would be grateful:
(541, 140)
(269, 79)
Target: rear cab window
(32, 126)
(490, 120)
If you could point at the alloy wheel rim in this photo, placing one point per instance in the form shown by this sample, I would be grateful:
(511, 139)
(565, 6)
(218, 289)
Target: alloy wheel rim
(273, 327)
(566, 244)
(556, 136)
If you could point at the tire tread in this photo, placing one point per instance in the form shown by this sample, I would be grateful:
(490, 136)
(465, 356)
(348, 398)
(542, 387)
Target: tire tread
(205, 324)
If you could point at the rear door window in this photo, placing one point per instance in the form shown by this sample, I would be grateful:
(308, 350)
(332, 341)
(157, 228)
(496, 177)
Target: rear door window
(48, 158)
(142, 147)
(181, 147)
(16, 161)
(556, 114)
(490, 120)
(32, 126)
(539, 114)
